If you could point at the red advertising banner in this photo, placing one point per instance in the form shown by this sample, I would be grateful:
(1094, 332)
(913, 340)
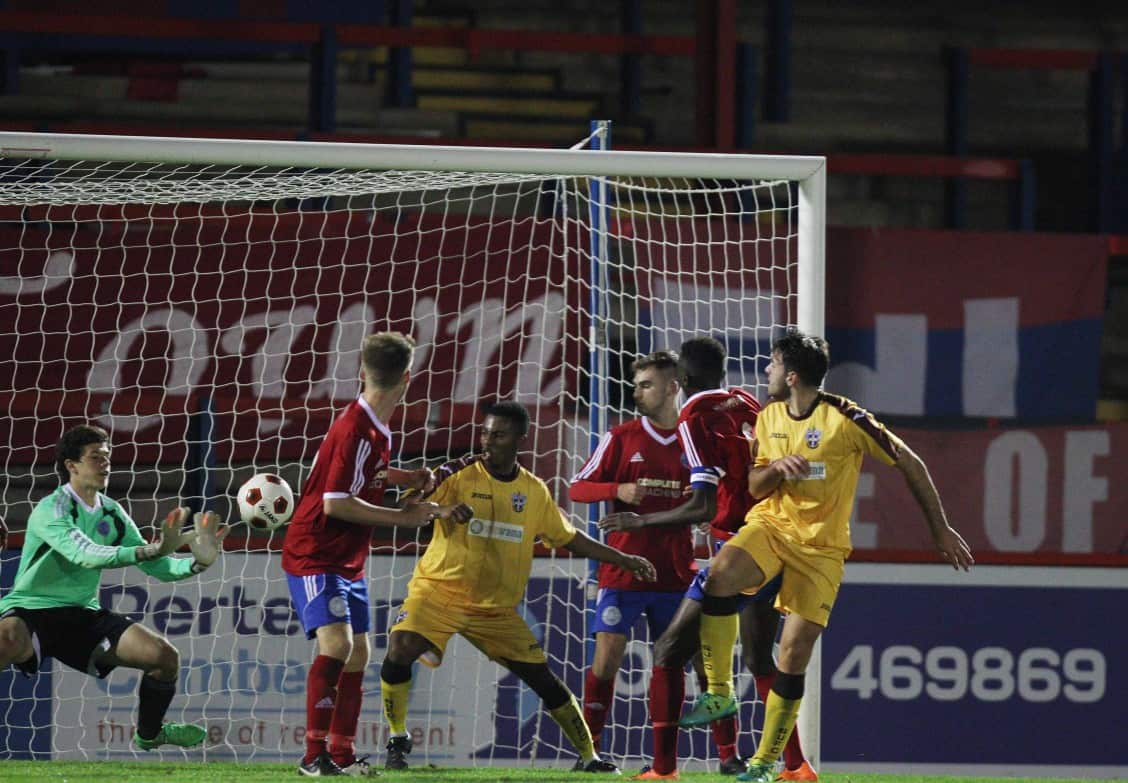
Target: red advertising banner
(966, 324)
(1036, 490)
(131, 322)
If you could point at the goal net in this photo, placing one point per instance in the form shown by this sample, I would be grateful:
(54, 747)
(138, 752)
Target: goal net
(205, 301)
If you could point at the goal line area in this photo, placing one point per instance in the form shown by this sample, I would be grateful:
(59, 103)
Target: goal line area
(205, 301)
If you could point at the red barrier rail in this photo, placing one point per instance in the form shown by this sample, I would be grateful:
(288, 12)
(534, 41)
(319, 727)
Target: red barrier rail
(942, 166)
(163, 28)
(1034, 59)
(473, 40)
(347, 34)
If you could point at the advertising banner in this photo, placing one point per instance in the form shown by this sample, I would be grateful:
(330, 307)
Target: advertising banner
(1024, 490)
(265, 316)
(1005, 670)
(966, 324)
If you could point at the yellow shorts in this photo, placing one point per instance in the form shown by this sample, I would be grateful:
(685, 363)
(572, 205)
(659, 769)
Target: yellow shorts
(811, 575)
(499, 633)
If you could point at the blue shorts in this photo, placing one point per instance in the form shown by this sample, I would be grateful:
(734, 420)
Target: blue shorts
(323, 599)
(696, 589)
(616, 611)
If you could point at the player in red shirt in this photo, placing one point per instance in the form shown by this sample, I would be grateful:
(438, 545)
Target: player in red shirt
(327, 544)
(637, 466)
(715, 428)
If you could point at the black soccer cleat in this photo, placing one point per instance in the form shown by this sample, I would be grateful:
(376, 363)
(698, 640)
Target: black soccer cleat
(321, 767)
(398, 748)
(734, 765)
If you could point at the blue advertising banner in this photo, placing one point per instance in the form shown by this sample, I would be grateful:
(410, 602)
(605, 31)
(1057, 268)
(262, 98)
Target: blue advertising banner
(1005, 666)
(25, 732)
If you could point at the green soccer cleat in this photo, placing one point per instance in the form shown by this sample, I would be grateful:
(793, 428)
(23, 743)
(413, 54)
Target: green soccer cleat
(183, 735)
(758, 772)
(708, 708)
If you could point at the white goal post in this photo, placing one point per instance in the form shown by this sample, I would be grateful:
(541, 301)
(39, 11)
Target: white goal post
(205, 300)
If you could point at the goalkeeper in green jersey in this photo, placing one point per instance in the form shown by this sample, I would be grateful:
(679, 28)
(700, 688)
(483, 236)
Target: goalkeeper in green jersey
(52, 610)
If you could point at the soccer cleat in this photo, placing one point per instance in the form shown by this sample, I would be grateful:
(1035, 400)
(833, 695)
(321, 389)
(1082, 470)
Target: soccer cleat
(183, 735)
(734, 765)
(398, 748)
(359, 768)
(596, 765)
(649, 773)
(321, 767)
(758, 773)
(708, 708)
(804, 773)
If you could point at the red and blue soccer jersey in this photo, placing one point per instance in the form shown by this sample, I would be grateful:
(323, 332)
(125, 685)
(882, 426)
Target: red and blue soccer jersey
(716, 429)
(353, 460)
(639, 452)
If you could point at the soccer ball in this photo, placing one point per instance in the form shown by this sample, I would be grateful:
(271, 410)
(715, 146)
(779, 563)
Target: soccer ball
(266, 502)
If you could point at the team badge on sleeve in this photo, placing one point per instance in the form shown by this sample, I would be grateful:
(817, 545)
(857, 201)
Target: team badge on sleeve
(813, 437)
(518, 501)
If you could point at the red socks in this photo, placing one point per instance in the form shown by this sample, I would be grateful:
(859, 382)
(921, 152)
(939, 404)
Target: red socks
(342, 729)
(598, 695)
(724, 730)
(667, 692)
(321, 698)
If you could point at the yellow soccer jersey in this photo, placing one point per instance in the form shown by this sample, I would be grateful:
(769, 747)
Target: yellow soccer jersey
(833, 437)
(485, 562)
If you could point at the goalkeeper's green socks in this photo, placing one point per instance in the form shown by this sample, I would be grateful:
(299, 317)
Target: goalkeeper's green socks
(395, 698)
(571, 721)
(720, 625)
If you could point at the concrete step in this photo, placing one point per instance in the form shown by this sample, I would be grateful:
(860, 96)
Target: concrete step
(289, 116)
(44, 78)
(530, 106)
(548, 131)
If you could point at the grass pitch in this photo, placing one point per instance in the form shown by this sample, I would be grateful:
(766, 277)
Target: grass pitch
(126, 772)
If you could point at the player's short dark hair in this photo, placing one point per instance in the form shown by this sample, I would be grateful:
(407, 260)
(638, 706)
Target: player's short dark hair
(805, 355)
(385, 357)
(73, 442)
(514, 411)
(661, 360)
(702, 362)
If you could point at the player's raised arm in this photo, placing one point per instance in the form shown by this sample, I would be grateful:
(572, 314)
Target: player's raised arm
(948, 541)
(585, 546)
(359, 512)
(701, 507)
(421, 480)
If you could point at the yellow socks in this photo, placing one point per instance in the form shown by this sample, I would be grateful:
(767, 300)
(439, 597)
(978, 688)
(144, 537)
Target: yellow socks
(718, 639)
(571, 721)
(395, 698)
(780, 715)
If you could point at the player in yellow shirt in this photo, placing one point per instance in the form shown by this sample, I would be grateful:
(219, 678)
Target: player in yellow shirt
(809, 449)
(474, 574)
